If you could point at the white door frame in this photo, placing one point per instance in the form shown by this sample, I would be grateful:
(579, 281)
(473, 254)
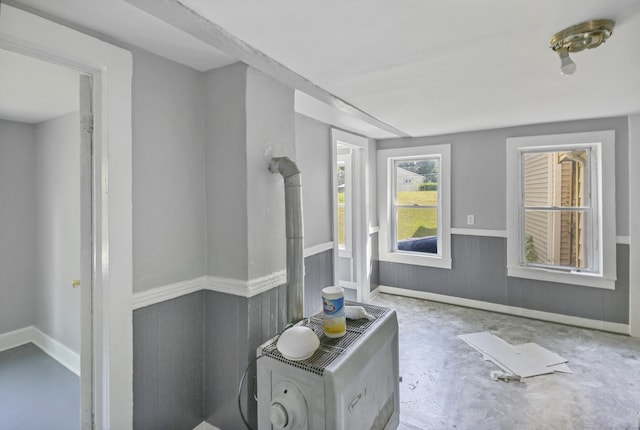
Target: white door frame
(361, 249)
(111, 68)
(634, 225)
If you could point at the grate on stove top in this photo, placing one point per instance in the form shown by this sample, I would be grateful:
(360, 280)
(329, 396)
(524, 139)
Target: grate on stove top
(330, 348)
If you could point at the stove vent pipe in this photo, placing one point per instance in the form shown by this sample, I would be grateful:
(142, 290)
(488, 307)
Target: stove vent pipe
(293, 220)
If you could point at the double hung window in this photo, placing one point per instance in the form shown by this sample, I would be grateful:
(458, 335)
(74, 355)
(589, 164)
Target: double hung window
(561, 215)
(415, 202)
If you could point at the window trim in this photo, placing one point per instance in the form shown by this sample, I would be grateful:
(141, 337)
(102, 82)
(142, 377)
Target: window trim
(602, 144)
(386, 177)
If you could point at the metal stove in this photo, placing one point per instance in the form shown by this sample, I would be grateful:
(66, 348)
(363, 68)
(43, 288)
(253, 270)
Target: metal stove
(350, 383)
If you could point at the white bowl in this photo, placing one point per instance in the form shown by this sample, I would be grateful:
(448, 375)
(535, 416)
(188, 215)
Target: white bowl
(298, 343)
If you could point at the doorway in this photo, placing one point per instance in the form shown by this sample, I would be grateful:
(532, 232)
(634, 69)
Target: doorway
(351, 214)
(45, 118)
(111, 67)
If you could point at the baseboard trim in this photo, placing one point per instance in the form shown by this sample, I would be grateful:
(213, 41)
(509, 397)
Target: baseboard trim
(59, 352)
(510, 310)
(205, 426)
(16, 338)
(56, 350)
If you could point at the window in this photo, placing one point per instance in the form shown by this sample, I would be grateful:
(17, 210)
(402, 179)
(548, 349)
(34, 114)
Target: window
(413, 186)
(344, 203)
(561, 208)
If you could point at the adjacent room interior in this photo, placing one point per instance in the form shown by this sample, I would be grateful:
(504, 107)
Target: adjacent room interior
(457, 167)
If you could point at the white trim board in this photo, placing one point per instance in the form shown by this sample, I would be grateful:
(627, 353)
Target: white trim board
(16, 338)
(317, 249)
(623, 240)
(205, 426)
(620, 240)
(510, 310)
(167, 292)
(479, 232)
(236, 287)
(56, 350)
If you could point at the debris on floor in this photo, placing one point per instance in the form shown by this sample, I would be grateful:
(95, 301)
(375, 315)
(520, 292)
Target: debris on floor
(516, 361)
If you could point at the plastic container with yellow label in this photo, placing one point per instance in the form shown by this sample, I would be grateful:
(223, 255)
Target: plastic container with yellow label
(335, 324)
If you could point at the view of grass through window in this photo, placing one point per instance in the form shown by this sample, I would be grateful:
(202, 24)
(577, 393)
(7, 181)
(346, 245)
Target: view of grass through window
(341, 205)
(417, 205)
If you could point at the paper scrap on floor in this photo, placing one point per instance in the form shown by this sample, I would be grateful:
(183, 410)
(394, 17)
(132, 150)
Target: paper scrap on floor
(526, 360)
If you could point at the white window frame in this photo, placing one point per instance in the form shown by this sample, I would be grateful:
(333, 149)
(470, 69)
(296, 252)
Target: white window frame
(603, 219)
(386, 179)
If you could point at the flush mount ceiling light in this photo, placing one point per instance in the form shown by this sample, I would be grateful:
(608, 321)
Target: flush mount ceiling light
(586, 35)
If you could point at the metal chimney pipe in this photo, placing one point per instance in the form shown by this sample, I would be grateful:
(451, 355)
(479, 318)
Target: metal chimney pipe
(293, 220)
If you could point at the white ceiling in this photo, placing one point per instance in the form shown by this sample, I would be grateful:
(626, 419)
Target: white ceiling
(430, 66)
(425, 67)
(32, 90)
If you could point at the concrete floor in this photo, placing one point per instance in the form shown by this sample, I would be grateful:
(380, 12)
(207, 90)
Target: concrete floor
(446, 384)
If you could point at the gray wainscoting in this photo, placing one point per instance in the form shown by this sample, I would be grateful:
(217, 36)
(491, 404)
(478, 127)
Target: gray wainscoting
(190, 352)
(168, 357)
(374, 264)
(479, 273)
(318, 273)
(235, 326)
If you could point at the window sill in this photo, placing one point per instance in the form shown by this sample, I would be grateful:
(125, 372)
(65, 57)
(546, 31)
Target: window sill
(573, 278)
(416, 260)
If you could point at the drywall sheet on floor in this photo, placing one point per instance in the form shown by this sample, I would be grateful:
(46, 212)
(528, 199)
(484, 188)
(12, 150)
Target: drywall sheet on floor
(526, 360)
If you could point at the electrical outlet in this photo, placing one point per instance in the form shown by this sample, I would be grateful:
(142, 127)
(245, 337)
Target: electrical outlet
(471, 219)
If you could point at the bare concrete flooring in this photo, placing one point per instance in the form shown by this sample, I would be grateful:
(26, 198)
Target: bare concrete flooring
(447, 385)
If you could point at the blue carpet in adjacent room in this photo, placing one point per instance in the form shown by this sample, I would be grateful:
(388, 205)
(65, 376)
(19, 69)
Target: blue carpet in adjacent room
(37, 392)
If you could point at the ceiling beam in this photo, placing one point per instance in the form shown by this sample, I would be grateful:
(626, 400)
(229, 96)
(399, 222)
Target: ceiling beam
(180, 16)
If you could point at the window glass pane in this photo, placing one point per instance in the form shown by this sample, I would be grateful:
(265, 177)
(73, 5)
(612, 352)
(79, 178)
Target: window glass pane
(556, 238)
(417, 230)
(417, 182)
(555, 178)
(341, 205)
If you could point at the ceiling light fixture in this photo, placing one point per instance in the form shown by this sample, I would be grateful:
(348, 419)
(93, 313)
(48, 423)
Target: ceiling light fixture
(586, 35)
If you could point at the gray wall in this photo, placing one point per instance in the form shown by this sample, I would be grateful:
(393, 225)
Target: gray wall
(235, 326)
(479, 263)
(318, 273)
(270, 121)
(246, 114)
(225, 137)
(18, 248)
(190, 352)
(478, 161)
(58, 229)
(169, 243)
(313, 148)
(479, 273)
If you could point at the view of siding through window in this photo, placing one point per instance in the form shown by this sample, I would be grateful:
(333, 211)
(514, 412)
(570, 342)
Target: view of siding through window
(416, 205)
(556, 208)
